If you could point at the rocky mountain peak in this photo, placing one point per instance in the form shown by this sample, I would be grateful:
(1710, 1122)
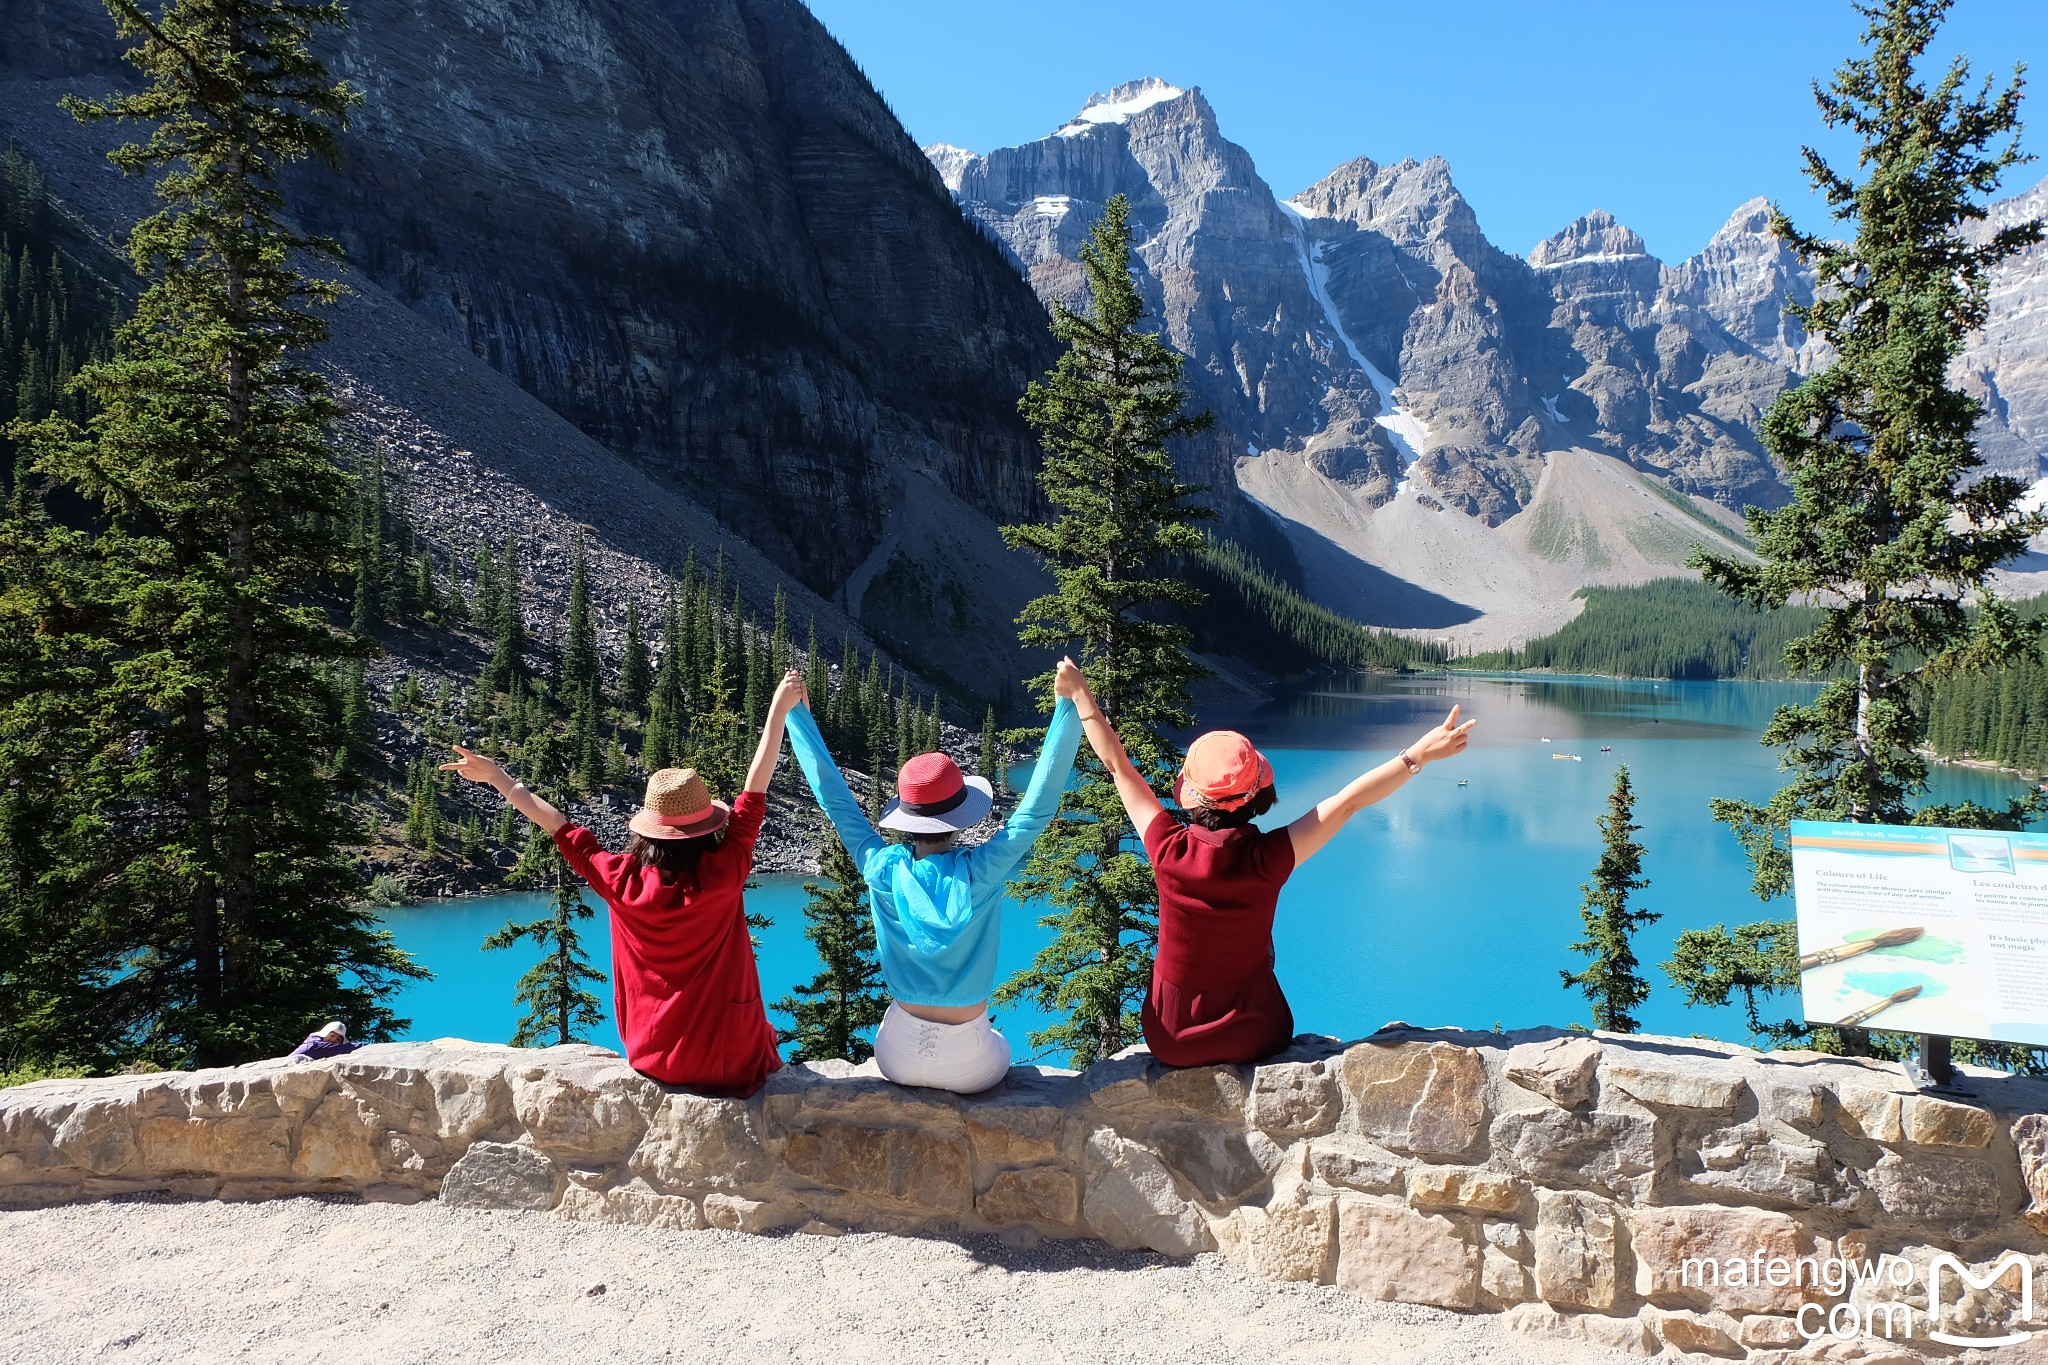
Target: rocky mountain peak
(1121, 103)
(1595, 237)
(949, 161)
(1751, 219)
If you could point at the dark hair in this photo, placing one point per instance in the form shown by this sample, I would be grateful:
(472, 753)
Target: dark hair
(1209, 817)
(673, 859)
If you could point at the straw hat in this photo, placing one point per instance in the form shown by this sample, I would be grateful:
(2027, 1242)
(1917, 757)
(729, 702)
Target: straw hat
(1223, 770)
(933, 797)
(678, 806)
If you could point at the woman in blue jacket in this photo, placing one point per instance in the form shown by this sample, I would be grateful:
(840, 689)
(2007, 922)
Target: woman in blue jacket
(936, 906)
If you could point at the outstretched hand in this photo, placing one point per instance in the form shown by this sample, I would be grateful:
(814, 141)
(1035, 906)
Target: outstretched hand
(790, 693)
(1068, 681)
(1444, 741)
(475, 767)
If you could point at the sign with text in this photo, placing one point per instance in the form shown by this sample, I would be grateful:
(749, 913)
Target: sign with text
(1941, 931)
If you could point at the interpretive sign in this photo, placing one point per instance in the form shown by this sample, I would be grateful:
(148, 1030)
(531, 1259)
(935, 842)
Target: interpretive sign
(1923, 930)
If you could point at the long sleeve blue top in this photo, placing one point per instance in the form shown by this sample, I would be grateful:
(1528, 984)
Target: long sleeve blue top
(938, 918)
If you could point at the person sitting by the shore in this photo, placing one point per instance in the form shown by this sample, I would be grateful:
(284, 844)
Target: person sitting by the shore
(936, 906)
(330, 1041)
(686, 989)
(1214, 998)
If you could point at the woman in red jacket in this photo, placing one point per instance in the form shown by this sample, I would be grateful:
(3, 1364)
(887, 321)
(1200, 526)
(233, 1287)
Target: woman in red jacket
(1214, 997)
(685, 987)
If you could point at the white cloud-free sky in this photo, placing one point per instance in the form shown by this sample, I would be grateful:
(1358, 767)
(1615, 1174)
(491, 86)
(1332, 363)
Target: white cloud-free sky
(1667, 113)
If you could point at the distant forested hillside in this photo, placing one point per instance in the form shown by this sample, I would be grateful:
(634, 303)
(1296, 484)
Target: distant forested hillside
(1999, 717)
(1249, 614)
(53, 316)
(1670, 628)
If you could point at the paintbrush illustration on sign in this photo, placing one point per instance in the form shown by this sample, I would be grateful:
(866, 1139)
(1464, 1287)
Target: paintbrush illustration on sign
(1925, 930)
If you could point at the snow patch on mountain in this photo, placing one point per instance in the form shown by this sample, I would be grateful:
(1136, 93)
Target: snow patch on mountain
(1403, 427)
(1120, 103)
(949, 161)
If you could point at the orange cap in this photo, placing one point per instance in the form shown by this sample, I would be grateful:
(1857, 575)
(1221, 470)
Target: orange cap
(1223, 770)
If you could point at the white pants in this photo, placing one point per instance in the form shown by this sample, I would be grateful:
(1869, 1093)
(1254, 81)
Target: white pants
(963, 1058)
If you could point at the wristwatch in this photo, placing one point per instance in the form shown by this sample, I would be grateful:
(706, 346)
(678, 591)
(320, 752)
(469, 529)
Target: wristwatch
(1412, 766)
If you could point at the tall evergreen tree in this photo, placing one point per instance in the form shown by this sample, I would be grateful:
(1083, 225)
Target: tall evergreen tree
(225, 510)
(778, 640)
(1611, 979)
(817, 676)
(1122, 517)
(580, 673)
(988, 745)
(507, 664)
(559, 1005)
(486, 603)
(636, 674)
(668, 710)
(1892, 531)
(835, 1012)
(358, 720)
(368, 536)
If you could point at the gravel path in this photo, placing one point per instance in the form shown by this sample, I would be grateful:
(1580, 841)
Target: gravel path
(305, 1280)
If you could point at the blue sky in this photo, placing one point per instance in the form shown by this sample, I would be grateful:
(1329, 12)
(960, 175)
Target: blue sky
(1667, 113)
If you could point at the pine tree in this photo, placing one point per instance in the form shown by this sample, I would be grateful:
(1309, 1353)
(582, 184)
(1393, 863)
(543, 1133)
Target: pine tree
(368, 540)
(585, 750)
(508, 626)
(817, 676)
(1611, 979)
(580, 673)
(988, 744)
(635, 672)
(471, 846)
(1891, 529)
(225, 513)
(486, 603)
(1105, 415)
(358, 720)
(717, 731)
(423, 809)
(668, 711)
(559, 1006)
(833, 1013)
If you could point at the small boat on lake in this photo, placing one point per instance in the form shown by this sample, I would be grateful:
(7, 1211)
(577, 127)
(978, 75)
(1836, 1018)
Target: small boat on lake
(1607, 748)
(1569, 758)
(1464, 781)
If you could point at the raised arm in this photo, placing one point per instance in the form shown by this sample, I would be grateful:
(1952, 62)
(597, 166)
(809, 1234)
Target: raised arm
(788, 695)
(1141, 804)
(1041, 799)
(1311, 831)
(834, 796)
(476, 767)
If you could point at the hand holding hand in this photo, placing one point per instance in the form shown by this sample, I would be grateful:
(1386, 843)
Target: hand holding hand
(789, 694)
(1069, 682)
(475, 767)
(1444, 741)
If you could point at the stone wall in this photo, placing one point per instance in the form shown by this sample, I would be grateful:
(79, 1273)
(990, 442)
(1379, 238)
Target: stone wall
(1561, 1179)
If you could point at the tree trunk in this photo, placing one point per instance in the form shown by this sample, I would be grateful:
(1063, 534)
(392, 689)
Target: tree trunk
(206, 947)
(240, 696)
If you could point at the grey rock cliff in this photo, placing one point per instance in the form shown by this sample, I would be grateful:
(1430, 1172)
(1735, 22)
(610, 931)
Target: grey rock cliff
(692, 229)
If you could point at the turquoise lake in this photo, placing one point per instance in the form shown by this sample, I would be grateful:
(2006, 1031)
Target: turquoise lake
(1442, 905)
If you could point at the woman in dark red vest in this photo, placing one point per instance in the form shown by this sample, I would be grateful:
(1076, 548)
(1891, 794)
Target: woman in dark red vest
(1214, 998)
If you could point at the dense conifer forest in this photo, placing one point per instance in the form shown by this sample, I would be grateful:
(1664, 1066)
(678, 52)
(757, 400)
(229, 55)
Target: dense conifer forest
(1671, 628)
(54, 317)
(1252, 615)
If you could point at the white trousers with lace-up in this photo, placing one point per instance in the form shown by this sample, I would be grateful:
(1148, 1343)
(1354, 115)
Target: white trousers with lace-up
(963, 1058)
